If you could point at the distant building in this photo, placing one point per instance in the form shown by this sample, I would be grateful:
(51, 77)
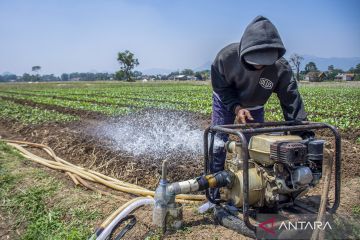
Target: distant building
(184, 77)
(315, 76)
(345, 76)
(180, 77)
(192, 78)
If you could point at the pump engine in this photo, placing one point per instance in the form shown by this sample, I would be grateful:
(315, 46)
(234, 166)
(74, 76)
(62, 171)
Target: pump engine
(281, 168)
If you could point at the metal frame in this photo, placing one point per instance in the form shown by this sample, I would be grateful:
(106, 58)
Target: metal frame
(268, 127)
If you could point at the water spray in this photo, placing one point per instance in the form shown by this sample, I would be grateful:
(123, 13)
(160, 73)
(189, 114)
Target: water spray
(154, 136)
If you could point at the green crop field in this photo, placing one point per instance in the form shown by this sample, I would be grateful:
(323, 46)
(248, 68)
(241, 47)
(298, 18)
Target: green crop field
(334, 103)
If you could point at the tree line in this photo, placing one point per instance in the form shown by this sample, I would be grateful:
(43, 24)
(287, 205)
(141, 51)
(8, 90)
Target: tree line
(295, 61)
(128, 62)
(80, 76)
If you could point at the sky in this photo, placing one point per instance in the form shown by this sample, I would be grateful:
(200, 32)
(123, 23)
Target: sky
(86, 35)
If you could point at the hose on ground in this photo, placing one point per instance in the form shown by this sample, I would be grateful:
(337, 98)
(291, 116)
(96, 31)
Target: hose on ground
(232, 222)
(109, 225)
(127, 210)
(128, 227)
(79, 175)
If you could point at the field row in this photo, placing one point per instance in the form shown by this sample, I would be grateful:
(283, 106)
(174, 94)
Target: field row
(28, 115)
(108, 105)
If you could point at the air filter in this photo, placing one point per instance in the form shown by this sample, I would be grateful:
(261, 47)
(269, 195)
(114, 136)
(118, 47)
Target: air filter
(291, 153)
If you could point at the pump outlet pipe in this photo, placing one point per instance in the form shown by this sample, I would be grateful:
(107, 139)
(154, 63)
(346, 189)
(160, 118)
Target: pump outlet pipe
(215, 180)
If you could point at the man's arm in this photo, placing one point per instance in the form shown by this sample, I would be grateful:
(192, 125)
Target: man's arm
(290, 99)
(291, 102)
(223, 88)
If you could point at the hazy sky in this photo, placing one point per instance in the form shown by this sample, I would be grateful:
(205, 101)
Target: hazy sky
(85, 35)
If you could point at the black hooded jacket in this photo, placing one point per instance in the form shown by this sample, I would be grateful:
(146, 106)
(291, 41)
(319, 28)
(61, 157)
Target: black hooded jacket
(237, 83)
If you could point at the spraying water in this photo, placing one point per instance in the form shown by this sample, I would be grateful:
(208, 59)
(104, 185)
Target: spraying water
(157, 135)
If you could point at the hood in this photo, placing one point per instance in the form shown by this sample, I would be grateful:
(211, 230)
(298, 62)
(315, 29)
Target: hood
(260, 34)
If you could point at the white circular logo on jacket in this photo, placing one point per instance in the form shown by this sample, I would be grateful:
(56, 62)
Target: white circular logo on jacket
(266, 83)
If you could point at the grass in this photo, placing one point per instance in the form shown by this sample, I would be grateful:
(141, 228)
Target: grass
(37, 206)
(345, 228)
(155, 235)
(356, 210)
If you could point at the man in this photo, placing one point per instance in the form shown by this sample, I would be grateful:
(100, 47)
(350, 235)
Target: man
(243, 77)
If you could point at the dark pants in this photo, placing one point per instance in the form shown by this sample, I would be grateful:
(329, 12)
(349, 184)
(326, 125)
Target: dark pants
(221, 116)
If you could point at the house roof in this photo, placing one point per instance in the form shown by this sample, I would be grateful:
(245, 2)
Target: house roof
(345, 74)
(314, 74)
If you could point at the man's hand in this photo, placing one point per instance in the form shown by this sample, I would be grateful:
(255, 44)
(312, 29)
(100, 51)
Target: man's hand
(242, 114)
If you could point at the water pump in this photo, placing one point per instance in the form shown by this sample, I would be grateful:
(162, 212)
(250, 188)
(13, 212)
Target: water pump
(273, 170)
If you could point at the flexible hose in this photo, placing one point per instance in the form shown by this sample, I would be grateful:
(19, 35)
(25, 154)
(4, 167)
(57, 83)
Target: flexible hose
(76, 173)
(49, 151)
(139, 202)
(110, 218)
(232, 222)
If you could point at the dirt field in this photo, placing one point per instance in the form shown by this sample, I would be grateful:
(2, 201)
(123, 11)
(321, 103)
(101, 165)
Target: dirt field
(76, 143)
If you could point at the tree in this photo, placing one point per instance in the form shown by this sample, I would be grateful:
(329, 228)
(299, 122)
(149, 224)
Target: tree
(357, 68)
(331, 68)
(332, 74)
(8, 77)
(198, 76)
(36, 69)
(202, 75)
(295, 61)
(172, 75)
(137, 74)
(311, 67)
(120, 75)
(187, 72)
(356, 71)
(127, 63)
(27, 77)
(64, 77)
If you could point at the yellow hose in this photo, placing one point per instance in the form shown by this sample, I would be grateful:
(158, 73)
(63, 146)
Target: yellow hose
(76, 173)
(49, 151)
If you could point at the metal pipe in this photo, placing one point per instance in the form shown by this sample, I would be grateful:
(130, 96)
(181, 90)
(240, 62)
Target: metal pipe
(206, 150)
(164, 169)
(210, 162)
(283, 129)
(211, 149)
(337, 167)
(206, 161)
(245, 156)
(264, 124)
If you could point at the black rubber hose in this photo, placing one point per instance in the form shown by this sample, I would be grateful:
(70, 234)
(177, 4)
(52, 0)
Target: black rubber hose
(123, 231)
(232, 222)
